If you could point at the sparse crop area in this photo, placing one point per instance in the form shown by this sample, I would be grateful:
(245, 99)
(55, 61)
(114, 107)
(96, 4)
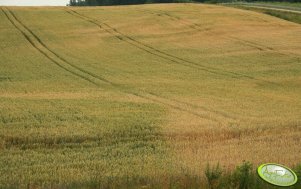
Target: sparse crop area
(146, 96)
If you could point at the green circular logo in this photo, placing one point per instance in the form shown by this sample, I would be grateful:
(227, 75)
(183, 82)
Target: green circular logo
(276, 174)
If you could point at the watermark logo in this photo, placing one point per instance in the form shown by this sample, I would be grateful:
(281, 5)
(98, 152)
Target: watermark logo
(276, 174)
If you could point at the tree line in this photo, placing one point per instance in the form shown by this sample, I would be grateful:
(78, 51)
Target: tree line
(131, 2)
(123, 2)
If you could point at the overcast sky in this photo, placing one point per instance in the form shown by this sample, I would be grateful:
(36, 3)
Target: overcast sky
(34, 2)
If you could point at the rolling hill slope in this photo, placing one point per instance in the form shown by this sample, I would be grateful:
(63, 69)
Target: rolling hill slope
(144, 91)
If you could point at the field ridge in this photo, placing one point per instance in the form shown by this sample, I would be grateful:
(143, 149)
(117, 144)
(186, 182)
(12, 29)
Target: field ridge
(170, 57)
(178, 107)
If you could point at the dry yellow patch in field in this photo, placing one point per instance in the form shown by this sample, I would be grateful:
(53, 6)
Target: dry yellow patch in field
(245, 122)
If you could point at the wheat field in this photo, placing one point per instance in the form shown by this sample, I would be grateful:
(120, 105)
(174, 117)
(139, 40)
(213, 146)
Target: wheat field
(144, 91)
